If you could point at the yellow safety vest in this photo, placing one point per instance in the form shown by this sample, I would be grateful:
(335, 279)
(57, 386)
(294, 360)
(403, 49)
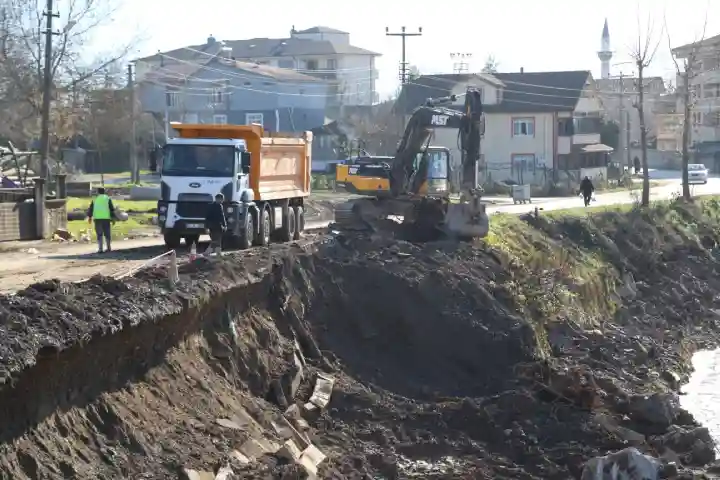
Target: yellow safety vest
(101, 208)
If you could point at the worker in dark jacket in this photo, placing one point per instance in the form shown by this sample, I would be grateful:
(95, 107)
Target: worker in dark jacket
(216, 224)
(587, 189)
(102, 212)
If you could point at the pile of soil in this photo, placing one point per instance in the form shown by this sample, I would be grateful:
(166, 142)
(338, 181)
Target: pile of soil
(444, 365)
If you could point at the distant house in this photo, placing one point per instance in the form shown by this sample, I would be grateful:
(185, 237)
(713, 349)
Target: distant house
(539, 126)
(215, 88)
(322, 52)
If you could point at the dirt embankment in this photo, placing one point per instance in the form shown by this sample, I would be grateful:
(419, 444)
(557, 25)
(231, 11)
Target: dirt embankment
(557, 341)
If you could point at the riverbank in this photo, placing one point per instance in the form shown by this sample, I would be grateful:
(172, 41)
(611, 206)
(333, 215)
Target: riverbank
(559, 339)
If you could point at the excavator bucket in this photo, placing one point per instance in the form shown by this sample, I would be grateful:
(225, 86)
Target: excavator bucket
(467, 219)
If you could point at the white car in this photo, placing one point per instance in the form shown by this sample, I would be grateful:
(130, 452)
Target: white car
(697, 173)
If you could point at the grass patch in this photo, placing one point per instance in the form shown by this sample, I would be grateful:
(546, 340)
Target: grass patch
(74, 203)
(134, 224)
(568, 263)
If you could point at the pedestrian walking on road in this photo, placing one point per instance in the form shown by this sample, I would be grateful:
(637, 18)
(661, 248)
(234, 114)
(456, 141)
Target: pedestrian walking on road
(216, 224)
(102, 212)
(586, 190)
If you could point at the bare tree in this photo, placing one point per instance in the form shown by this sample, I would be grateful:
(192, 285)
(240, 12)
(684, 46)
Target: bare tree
(686, 71)
(21, 60)
(491, 65)
(643, 54)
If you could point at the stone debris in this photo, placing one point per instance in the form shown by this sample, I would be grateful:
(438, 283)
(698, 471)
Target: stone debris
(189, 474)
(627, 464)
(322, 391)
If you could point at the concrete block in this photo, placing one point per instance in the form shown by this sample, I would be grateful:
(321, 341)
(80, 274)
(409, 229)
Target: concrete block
(290, 451)
(188, 474)
(224, 473)
(310, 459)
(239, 457)
(323, 390)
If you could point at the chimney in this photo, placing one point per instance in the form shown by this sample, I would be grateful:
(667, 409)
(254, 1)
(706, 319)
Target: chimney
(211, 40)
(522, 70)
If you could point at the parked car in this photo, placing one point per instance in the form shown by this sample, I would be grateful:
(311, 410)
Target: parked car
(697, 173)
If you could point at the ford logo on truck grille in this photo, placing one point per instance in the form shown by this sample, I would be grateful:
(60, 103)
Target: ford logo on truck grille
(194, 185)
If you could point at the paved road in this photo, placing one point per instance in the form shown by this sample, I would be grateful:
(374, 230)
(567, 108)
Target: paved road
(39, 261)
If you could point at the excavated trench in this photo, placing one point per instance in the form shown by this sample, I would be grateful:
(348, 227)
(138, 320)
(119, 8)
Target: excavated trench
(442, 366)
(116, 379)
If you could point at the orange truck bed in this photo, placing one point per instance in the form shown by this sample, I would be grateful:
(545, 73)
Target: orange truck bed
(280, 163)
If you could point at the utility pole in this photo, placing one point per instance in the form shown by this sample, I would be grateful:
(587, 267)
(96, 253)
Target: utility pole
(47, 91)
(460, 66)
(403, 34)
(134, 170)
(45, 118)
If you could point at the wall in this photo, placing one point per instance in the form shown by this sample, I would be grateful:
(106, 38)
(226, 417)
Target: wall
(498, 147)
(17, 219)
(657, 159)
(358, 75)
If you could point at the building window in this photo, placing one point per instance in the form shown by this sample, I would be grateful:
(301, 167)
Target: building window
(711, 90)
(565, 127)
(311, 64)
(286, 64)
(697, 118)
(172, 99)
(331, 64)
(218, 95)
(220, 119)
(523, 127)
(251, 118)
(498, 95)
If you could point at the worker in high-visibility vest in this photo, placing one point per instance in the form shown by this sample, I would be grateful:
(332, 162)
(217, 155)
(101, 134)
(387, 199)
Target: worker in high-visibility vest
(102, 212)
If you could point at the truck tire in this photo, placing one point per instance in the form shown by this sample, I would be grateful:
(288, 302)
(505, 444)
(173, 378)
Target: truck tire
(172, 240)
(299, 222)
(287, 232)
(263, 235)
(190, 239)
(247, 234)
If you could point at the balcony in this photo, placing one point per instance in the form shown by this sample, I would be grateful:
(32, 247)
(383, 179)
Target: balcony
(585, 138)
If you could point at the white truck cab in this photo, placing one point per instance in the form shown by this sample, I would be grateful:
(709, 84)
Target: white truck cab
(194, 170)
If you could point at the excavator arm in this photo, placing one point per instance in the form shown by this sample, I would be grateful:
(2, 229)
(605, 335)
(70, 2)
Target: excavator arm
(404, 177)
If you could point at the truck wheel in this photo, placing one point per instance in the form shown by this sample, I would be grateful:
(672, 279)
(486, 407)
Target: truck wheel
(299, 213)
(190, 239)
(172, 240)
(287, 232)
(247, 234)
(263, 236)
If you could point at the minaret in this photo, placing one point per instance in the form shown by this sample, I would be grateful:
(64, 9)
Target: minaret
(605, 54)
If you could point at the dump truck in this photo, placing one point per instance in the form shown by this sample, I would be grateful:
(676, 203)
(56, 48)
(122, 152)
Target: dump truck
(264, 177)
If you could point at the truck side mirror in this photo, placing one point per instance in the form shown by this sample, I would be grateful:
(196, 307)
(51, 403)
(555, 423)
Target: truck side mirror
(245, 162)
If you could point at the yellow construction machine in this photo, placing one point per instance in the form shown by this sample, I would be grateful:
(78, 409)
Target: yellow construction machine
(421, 183)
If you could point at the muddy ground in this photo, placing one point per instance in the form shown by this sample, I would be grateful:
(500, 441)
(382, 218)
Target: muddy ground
(450, 360)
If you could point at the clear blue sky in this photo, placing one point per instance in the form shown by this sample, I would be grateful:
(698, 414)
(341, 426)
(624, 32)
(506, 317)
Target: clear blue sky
(546, 35)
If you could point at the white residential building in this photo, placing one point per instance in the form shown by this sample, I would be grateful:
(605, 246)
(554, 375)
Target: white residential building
(321, 52)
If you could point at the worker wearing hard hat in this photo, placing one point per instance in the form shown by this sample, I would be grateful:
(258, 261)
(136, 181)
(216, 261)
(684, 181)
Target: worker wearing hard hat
(102, 212)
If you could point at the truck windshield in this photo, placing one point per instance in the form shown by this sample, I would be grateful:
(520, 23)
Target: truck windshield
(437, 163)
(199, 161)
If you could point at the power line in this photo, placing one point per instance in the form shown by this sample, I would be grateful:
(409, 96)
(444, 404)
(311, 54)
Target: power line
(403, 34)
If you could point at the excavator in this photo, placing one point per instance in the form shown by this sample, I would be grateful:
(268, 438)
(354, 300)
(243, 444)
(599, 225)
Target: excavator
(427, 189)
